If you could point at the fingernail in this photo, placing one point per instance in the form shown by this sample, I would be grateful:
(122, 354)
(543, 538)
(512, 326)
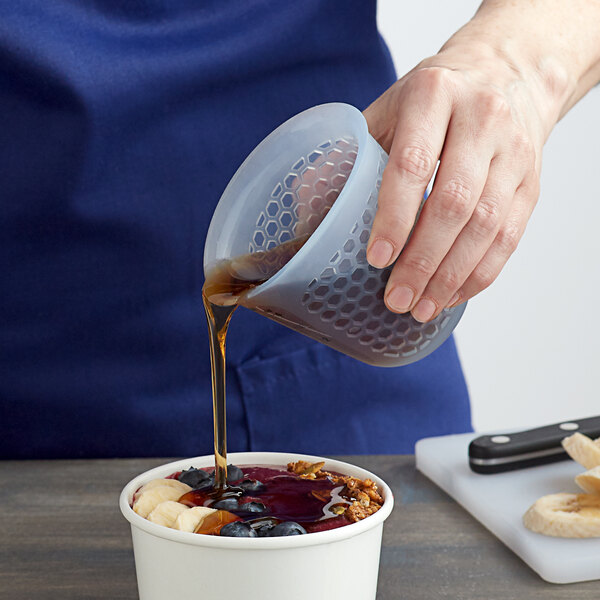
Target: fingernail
(380, 253)
(453, 300)
(400, 298)
(424, 310)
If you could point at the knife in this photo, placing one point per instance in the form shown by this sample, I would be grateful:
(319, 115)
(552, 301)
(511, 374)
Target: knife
(498, 453)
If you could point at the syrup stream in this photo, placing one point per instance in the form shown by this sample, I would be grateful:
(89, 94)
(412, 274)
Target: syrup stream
(218, 318)
(224, 287)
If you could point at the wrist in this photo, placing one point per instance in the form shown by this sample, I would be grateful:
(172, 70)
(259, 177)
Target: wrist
(521, 68)
(553, 44)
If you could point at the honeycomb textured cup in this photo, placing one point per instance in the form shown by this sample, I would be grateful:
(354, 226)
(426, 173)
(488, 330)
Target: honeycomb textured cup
(323, 181)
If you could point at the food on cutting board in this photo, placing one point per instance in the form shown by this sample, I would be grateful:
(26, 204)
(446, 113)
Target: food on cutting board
(258, 501)
(572, 515)
(583, 450)
(589, 481)
(565, 515)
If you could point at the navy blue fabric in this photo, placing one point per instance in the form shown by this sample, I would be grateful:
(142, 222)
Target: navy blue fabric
(120, 125)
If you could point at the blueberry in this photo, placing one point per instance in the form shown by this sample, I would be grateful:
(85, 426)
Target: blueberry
(206, 485)
(254, 507)
(234, 473)
(287, 528)
(194, 477)
(264, 527)
(252, 486)
(238, 529)
(226, 504)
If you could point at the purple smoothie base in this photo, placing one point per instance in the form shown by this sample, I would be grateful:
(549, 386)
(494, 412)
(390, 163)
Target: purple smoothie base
(287, 497)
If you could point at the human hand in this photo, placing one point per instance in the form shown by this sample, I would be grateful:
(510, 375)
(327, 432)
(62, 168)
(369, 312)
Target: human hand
(474, 112)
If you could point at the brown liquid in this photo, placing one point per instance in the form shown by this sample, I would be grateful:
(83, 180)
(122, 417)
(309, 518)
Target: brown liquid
(223, 289)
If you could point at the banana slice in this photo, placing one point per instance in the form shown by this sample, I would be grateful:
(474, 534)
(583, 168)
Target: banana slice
(166, 513)
(583, 450)
(189, 520)
(148, 499)
(565, 515)
(170, 482)
(589, 481)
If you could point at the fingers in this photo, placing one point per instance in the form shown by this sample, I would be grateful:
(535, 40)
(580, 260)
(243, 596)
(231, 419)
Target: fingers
(483, 195)
(473, 241)
(504, 244)
(422, 122)
(458, 186)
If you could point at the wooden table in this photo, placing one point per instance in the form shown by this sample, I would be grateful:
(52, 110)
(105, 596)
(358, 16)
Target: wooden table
(64, 538)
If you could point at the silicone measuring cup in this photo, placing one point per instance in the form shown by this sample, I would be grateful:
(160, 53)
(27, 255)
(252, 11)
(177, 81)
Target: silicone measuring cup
(320, 173)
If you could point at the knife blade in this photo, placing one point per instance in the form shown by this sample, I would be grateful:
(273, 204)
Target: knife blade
(489, 454)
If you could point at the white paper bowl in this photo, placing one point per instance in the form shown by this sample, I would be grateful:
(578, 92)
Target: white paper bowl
(337, 564)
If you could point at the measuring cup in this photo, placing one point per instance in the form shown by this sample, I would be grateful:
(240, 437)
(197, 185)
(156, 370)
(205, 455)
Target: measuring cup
(319, 174)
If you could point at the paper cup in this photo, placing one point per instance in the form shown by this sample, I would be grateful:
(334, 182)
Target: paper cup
(337, 564)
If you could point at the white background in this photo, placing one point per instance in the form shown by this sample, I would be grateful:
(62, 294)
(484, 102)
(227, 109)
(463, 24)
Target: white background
(529, 343)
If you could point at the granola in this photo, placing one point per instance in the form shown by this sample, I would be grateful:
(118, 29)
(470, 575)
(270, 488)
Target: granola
(364, 497)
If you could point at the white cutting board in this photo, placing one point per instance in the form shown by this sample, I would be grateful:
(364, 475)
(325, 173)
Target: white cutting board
(499, 502)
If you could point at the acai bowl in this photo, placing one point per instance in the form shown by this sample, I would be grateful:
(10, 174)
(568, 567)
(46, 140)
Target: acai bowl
(181, 565)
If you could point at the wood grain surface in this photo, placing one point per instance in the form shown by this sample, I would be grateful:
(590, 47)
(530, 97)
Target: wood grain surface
(63, 537)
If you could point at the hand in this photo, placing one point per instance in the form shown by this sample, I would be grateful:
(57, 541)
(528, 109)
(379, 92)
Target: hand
(478, 115)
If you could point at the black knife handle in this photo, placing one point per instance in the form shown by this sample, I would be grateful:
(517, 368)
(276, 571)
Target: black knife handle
(490, 454)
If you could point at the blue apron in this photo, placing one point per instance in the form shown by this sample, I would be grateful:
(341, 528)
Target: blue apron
(120, 125)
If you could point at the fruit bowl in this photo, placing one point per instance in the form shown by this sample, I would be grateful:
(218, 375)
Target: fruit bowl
(334, 564)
